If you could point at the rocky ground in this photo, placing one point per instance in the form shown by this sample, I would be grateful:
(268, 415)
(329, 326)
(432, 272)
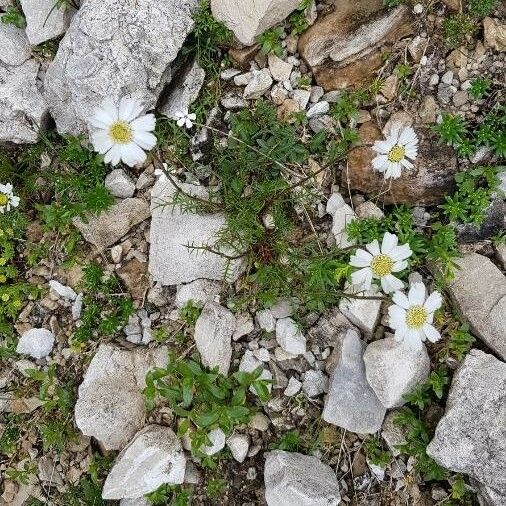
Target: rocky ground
(185, 330)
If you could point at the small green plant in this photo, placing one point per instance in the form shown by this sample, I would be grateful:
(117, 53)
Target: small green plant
(270, 41)
(459, 343)
(457, 28)
(480, 87)
(481, 8)
(452, 130)
(175, 495)
(376, 454)
(189, 313)
(14, 16)
(216, 487)
(22, 473)
(392, 3)
(298, 19)
(290, 441)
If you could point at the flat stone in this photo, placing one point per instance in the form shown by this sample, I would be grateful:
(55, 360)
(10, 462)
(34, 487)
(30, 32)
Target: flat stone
(293, 479)
(199, 292)
(284, 307)
(134, 275)
(260, 81)
(394, 370)
(15, 46)
(239, 446)
(364, 313)
(290, 337)
(293, 387)
(139, 501)
(318, 109)
(342, 214)
(266, 320)
(120, 184)
(248, 21)
(218, 439)
(479, 292)
(171, 261)
(471, 436)
(213, 336)
(315, 383)
(494, 34)
(111, 406)
(280, 69)
(114, 48)
(65, 292)
(37, 343)
(153, 458)
(110, 226)
(351, 403)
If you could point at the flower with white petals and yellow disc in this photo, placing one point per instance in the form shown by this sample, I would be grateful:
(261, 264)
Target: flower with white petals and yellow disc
(185, 119)
(411, 316)
(7, 198)
(399, 150)
(123, 132)
(379, 263)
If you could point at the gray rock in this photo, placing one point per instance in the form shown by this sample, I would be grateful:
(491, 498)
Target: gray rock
(479, 292)
(247, 22)
(239, 446)
(342, 214)
(139, 501)
(290, 337)
(471, 436)
(260, 81)
(184, 90)
(280, 70)
(394, 369)
(302, 97)
(153, 458)
(266, 320)
(65, 292)
(213, 336)
(199, 291)
(351, 403)
(110, 226)
(330, 327)
(493, 224)
(393, 434)
(284, 307)
(364, 313)
(318, 109)
(232, 101)
(15, 46)
(293, 479)
(120, 184)
(37, 343)
(111, 406)
(315, 383)
(171, 261)
(293, 387)
(217, 439)
(244, 326)
(44, 21)
(114, 48)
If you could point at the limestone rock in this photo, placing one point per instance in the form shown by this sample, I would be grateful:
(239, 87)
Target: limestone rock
(115, 48)
(393, 370)
(471, 436)
(111, 406)
(280, 69)
(120, 184)
(171, 261)
(342, 214)
(248, 20)
(110, 226)
(239, 446)
(345, 47)
(290, 337)
(364, 313)
(199, 291)
(217, 439)
(479, 292)
(44, 21)
(15, 46)
(351, 403)
(494, 34)
(259, 82)
(293, 479)
(153, 458)
(213, 336)
(37, 343)
(139, 501)
(431, 179)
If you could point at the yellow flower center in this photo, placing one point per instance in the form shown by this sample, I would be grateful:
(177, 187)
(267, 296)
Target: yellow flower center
(396, 154)
(4, 200)
(416, 317)
(121, 132)
(381, 265)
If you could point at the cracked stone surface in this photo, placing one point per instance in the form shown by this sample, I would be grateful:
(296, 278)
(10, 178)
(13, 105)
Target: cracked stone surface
(115, 48)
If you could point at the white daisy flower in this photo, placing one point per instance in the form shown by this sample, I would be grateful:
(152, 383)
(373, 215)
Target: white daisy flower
(411, 317)
(123, 132)
(398, 150)
(185, 119)
(7, 198)
(379, 263)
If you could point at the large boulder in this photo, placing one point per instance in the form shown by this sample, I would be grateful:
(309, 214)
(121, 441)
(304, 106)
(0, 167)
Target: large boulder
(111, 49)
(249, 19)
(430, 180)
(346, 46)
(111, 406)
(479, 292)
(293, 479)
(471, 436)
(153, 458)
(173, 231)
(351, 403)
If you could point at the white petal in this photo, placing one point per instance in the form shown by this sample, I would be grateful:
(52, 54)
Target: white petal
(401, 300)
(406, 163)
(101, 141)
(373, 247)
(101, 119)
(389, 242)
(129, 109)
(396, 316)
(113, 156)
(15, 201)
(180, 122)
(110, 108)
(361, 258)
(401, 252)
(399, 266)
(132, 155)
(433, 302)
(411, 152)
(391, 284)
(380, 162)
(407, 136)
(431, 332)
(192, 116)
(145, 123)
(362, 279)
(189, 124)
(416, 294)
(383, 147)
(146, 140)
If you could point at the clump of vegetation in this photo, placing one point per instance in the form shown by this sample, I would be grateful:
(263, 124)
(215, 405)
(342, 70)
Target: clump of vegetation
(270, 41)
(175, 495)
(14, 16)
(480, 87)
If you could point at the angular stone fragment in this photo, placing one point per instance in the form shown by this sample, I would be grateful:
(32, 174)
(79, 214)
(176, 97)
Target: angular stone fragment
(153, 458)
(171, 260)
(249, 19)
(213, 336)
(393, 370)
(36, 343)
(239, 446)
(199, 291)
(290, 337)
(120, 184)
(362, 312)
(351, 403)
(342, 214)
(479, 292)
(471, 436)
(15, 46)
(110, 226)
(111, 406)
(293, 479)
(115, 48)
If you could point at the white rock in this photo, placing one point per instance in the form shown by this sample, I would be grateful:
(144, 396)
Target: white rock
(153, 458)
(259, 83)
(317, 93)
(351, 403)
(315, 383)
(65, 292)
(244, 326)
(120, 184)
(213, 334)
(447, 77)
(364, 313)
(280, 70)
(239, 446)
(262, 354)
(77, 307)
(111, 406)
(284, 307)
(247, 21)
(342, 214)
(38, 343)
(15, 46)
(229, 74)
(293, 388)
(217, 438)
(266, 320)
(394, 369)
(199, 291)
(290, 337)
(293, 479)
(302, 97)
(318, 109)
